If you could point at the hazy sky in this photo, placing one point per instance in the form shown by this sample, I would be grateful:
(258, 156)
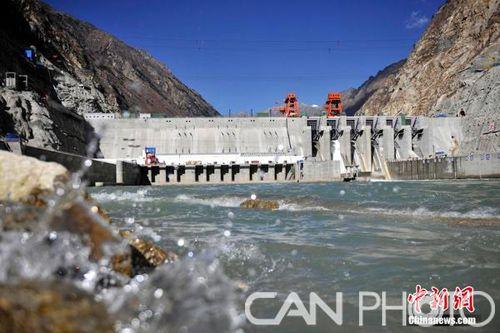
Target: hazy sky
(248, 54)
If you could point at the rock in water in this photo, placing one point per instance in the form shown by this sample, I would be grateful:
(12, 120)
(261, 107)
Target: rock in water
(25, 185)
(78, 219)
(143, 258)
(260, 204)
(27, 180)
(24, 178)
(50, 307)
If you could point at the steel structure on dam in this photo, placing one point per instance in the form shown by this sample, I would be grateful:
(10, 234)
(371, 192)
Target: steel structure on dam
(267, 149)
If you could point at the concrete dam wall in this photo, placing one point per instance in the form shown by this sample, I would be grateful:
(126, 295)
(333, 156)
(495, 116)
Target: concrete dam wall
(126, 138)
(240, 150)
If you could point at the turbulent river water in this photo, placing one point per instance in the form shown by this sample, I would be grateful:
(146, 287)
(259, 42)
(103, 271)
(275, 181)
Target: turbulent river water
(328, 238)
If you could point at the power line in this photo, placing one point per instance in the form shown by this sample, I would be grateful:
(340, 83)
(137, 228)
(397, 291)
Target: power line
(367, 46)
(206, 47)
(332, 78)
(375, 50)
(244, 77)
(238, 40)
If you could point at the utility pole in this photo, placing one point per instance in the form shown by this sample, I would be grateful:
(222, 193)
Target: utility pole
(251, 112)
(229, 112)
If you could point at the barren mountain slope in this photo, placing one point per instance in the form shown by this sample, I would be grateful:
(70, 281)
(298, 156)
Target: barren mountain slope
(460, 44)
(91, 70)
(77, 69)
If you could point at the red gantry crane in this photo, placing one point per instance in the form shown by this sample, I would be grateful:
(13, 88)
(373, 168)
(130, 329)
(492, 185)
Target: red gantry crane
(291, 107)
(333, 105)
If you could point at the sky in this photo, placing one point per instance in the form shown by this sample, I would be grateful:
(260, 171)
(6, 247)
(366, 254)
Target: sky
(247, 55)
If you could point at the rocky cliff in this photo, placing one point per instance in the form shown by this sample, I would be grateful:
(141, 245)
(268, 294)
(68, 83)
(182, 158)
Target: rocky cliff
(381, 83)
(78, 69)
(43, 123)
(457, 52)
(92, 71)
(453, 70)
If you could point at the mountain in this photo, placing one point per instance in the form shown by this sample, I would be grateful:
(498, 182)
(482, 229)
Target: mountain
(354, 99)
(78, 69)
(453, 69)
(91, 70)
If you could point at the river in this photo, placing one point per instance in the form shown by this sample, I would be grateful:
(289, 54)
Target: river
(327, 238)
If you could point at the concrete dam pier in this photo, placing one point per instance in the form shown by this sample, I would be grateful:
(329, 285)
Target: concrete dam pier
(281, 149)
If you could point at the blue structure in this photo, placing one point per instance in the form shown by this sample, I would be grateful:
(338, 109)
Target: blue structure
(440, 115)
(11, 137)
(29, 54)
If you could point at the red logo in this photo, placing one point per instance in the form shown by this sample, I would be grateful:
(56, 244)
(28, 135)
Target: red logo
(463, 298)
(440, 298)
(417, 296)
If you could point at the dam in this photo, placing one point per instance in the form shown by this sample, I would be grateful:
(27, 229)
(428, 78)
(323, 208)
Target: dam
(293, 149)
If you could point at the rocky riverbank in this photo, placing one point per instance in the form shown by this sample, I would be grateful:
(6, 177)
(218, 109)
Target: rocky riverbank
(67, 268)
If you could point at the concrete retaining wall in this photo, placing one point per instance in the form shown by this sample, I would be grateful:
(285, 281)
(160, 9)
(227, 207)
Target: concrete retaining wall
(484, 165)
(98, 172)
(438, 135)
(322, 171)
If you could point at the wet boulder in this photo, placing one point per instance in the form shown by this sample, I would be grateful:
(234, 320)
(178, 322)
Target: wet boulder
(27, 185)
(78, 218)
(17, 217)
(96, 208)
(38, 197)
(50, 307)
(260, 204)
(144, 256)
(25, 179)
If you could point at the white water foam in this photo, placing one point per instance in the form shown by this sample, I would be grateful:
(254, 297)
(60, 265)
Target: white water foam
(293, 207)
(483, 213)
(233, 202)
(212, 202)
(139, 196)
